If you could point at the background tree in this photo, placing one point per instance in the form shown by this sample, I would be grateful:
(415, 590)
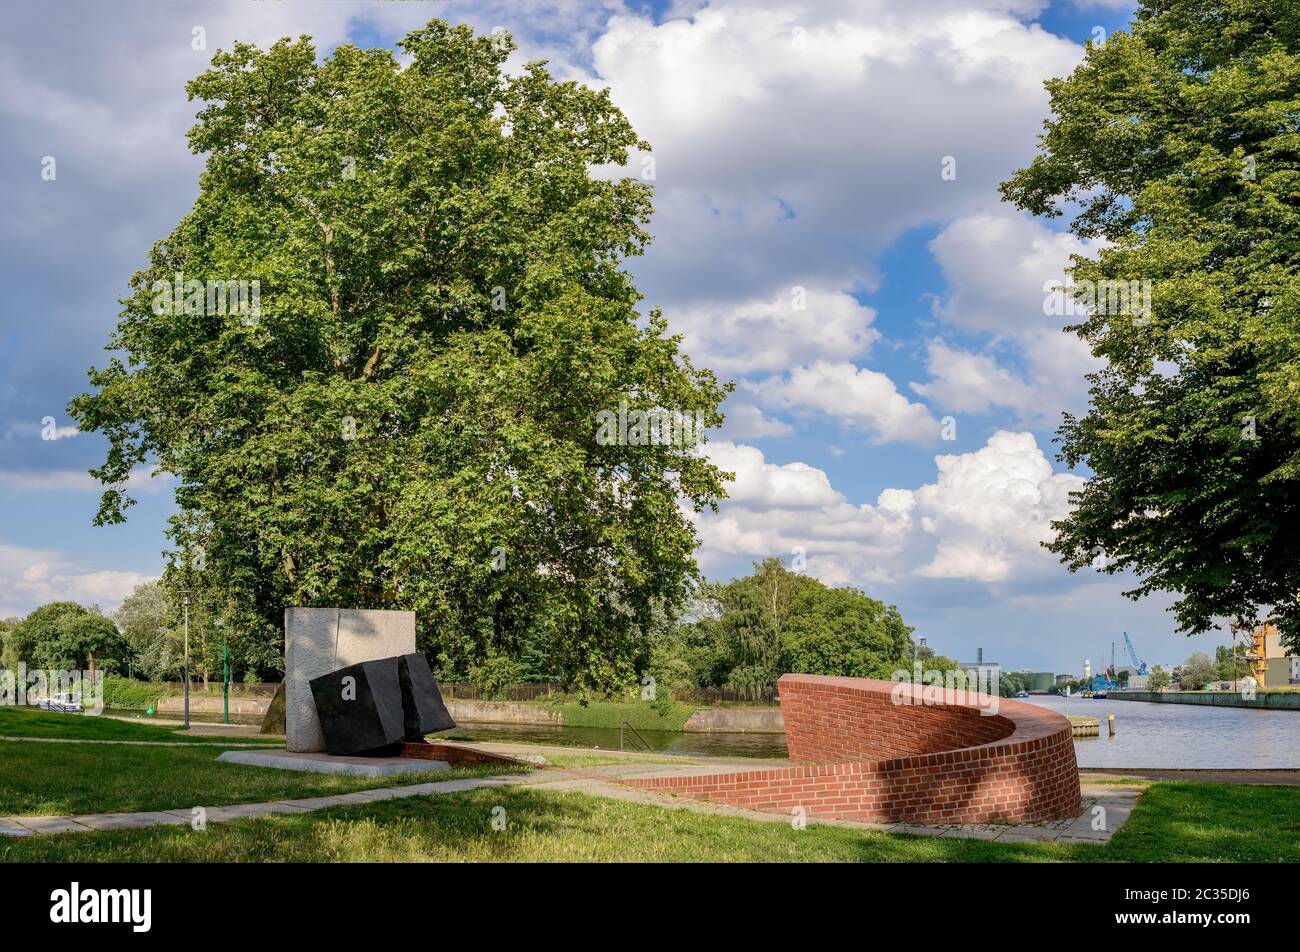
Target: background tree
(143, 621)
(1178, 140)
(409, 421)
(1198, 671)
(65, 636)
(748, 632)
(88, 642)
(1158, 679)
(1011, 683)
(1228, 667)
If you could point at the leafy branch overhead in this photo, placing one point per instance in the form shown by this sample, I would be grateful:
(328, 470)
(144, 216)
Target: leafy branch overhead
(1180, 142)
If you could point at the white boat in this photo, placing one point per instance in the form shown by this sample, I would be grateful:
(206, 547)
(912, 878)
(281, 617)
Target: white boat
(64, 703)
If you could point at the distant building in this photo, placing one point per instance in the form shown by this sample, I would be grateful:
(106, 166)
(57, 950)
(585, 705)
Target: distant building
(1065, 678)
(990, 669)
(1279, 668)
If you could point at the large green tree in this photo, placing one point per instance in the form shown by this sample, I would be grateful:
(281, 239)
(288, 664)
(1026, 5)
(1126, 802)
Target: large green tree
(64, 635)
(409, 418)
(750, 631)
(143, 619)
(1178, 143)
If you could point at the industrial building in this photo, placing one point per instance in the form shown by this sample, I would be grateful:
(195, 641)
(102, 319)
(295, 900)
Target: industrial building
(1268, 660)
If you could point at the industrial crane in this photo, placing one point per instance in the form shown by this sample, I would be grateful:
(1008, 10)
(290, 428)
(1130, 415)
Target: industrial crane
(1138, 665)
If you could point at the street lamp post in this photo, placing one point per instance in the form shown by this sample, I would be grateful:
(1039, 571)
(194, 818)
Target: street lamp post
(187, 662)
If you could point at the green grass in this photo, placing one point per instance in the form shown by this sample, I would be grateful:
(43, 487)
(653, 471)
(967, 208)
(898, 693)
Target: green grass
(29, 722)
(1174, 822)
(50, 779)
(640, 714)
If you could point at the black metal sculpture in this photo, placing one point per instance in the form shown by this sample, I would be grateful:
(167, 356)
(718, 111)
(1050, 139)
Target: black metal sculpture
(374, 706)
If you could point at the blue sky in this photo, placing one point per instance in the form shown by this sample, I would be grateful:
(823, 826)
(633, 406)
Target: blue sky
(798, 150)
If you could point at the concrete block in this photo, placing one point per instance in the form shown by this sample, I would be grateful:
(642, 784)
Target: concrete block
(315, 762)
(320, 640)
(360, 707)
(423, 709)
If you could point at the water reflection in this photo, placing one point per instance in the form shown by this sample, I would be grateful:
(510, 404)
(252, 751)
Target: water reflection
(606, 738)
(1191, 736)
(1167, 736)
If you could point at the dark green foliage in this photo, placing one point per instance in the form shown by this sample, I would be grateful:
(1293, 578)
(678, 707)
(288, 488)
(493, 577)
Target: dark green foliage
(1180, 139)
(65, 636)
(410, 420)
(751, 631)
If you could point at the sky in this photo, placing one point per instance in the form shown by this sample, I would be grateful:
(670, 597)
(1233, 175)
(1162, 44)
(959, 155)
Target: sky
(828, 234)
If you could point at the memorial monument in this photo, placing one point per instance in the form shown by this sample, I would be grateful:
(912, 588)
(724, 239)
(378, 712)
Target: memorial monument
(319, 641)
(376, 706)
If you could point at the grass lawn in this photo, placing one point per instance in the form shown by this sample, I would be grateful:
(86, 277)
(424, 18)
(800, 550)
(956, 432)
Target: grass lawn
(29, 722)
(1174, 822)
(50, 779)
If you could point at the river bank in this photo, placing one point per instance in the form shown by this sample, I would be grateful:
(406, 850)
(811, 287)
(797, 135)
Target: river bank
(641, 715)
(1263, 700)
(1153, 735)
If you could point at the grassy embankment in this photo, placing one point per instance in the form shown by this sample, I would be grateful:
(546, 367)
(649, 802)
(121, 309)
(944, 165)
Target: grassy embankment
(1174, 822)
(643, 715)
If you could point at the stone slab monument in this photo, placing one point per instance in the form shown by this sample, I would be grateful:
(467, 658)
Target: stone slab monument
(376, 706)
(318, 641)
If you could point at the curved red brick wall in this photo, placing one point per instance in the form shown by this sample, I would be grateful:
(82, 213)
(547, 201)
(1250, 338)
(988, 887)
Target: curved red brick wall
(889, 752)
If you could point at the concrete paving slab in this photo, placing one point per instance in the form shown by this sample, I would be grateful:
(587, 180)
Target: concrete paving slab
(1028, 835)
(10, 828)
(1092, 840)
(314, 803)
(49, 824)
(917, 829)
(127, 821)
(316, 762)
(236, 810)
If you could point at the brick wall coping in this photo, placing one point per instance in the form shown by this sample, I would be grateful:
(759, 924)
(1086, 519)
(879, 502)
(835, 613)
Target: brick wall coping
(881, 759)
(1024, 722)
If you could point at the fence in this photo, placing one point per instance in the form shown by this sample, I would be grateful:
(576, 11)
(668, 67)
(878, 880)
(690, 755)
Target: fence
(766, 696)
(544, 690)
(242, 688)
(528, 691)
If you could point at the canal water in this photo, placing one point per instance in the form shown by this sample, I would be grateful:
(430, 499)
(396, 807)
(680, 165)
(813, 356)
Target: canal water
(1191, 736)
(1148, 734)
(606, 738)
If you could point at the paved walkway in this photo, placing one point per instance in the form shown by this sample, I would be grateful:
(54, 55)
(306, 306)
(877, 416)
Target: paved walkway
(1116, 803)
(31, 825)
(1279, 776)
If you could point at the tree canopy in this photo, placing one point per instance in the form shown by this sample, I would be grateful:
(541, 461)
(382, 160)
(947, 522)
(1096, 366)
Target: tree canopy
(397, 408)
(65, 636)
(1179, 143)
(752, 630)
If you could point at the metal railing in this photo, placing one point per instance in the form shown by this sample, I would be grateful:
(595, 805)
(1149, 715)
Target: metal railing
(624, 724)
(528, 691)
